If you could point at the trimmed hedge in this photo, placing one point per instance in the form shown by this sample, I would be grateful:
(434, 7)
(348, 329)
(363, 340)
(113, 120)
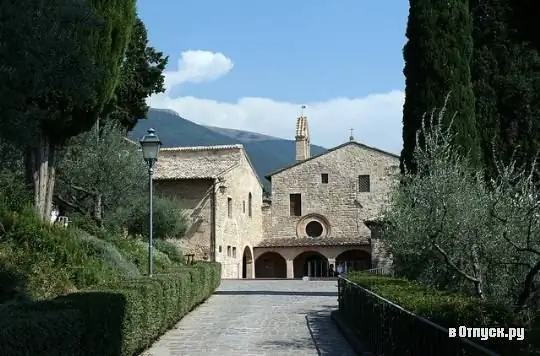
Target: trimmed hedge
(444, 308)
(120, 319)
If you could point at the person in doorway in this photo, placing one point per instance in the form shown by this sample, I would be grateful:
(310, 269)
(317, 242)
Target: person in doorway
(339, 269)
(331, 272)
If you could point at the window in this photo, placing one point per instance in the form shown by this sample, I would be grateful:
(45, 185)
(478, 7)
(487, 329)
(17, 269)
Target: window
(229, 207)
(243, 206)
(234, 252)
(324, 178)
(220, 249)
(250, 202)
(229, 251)
(314, 229)
(296, 204)
(364, 184)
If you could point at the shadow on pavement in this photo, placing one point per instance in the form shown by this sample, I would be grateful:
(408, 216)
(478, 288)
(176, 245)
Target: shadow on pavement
(325, 339)
(285, 293)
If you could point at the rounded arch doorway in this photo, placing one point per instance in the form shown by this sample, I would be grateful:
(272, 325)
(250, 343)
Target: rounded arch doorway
(270, 265)
(354, 260)
(311, 264)
(247, 263)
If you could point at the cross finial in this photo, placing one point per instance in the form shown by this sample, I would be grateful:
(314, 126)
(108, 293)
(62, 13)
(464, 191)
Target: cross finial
(351, 138)
(302, 112)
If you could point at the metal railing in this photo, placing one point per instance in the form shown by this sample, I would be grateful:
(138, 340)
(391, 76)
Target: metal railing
(381, 271)
(387, 329)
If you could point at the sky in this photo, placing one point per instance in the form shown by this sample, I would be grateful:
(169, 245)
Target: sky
(251, 65)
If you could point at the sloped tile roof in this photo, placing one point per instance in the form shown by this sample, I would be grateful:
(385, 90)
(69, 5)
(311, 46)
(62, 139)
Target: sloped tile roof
(300, 242)
(200, 162)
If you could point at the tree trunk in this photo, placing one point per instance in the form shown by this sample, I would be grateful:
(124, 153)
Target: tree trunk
(98, 210)
(40, 172)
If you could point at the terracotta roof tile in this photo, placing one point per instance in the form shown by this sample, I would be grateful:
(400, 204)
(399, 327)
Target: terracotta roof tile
(297, 242)
(201, 162)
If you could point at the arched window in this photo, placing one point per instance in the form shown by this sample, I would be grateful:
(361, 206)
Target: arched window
(250, 205)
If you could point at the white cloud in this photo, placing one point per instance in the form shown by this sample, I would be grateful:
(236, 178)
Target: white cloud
(376, 118)
(198, 66)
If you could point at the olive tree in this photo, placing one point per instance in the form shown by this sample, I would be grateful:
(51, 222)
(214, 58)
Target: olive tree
(449, 227)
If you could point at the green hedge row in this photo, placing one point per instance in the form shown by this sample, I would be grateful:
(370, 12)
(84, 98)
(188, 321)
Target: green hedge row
(121, 319)
(443, 308)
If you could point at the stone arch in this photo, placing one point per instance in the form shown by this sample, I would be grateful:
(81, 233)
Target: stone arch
(310, 264)
(247, 263)
(354, 260)
(270, 265)
(313, 226)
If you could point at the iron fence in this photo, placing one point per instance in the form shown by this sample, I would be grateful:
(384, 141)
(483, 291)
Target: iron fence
(387, 329)
(381, 271)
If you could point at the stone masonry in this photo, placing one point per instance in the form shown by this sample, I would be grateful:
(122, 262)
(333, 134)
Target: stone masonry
(319, 210)
(339, 201)
(219, 179)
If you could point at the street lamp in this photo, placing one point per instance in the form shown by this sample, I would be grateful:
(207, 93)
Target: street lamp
(150, 145)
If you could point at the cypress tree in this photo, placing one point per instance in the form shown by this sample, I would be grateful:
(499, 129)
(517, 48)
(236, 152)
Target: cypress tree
(506, 80)
(437, 57)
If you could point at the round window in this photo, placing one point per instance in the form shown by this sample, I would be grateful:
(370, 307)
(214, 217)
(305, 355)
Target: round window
(314, 229)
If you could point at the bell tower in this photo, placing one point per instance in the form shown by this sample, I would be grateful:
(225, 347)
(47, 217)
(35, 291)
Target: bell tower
(302, 137)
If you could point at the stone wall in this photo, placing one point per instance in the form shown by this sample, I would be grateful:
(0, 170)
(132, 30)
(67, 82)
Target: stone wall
(239, 232)
(338, 204)
(194, 196)
(267, 217)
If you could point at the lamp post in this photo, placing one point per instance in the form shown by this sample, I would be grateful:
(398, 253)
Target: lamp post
(150, 145)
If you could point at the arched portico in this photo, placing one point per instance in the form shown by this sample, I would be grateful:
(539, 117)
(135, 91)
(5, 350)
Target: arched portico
(354, 260)
(270, 265)
(310, 264)
(247, 263)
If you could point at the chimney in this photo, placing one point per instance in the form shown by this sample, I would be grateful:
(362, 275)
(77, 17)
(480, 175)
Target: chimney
(302, 139)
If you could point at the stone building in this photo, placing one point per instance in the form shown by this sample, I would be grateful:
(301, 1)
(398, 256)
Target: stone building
(222, 199)
(323, 209)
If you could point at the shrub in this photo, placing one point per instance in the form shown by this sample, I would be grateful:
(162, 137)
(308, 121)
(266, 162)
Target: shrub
(14, 195)
(443, 308)
(53, 259)
(171, 250)
(119, 319)
(168, 217)
(106, 250)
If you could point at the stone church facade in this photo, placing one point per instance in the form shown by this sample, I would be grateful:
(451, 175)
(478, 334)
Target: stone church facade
(321, 213)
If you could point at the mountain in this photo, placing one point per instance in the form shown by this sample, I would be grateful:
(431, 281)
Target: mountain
(267, 153)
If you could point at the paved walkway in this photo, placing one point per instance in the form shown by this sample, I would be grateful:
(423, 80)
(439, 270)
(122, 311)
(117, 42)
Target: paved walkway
(259, 318)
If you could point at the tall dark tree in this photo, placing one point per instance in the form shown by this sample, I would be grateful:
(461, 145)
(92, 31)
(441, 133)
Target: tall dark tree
(60, 63)
(506, 77)
(141, 76)
(437, 57)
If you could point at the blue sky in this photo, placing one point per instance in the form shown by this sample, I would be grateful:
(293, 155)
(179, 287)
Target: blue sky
(252, 64)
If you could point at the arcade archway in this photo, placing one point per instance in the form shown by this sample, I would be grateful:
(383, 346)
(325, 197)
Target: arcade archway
(270, 265)
(310, 264)
(354, 260)
(247, 263)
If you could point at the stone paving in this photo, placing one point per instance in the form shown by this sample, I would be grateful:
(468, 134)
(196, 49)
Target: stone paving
(259, 317)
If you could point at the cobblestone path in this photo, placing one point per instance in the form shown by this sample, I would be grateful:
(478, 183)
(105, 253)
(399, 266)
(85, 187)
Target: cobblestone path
(259, 318)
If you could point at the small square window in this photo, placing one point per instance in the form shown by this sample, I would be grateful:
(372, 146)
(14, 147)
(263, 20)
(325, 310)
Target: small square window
(229, 251)
(234, 252)
(324, 178)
